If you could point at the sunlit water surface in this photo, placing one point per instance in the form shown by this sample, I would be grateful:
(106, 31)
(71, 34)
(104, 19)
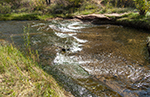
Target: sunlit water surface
(88, 60)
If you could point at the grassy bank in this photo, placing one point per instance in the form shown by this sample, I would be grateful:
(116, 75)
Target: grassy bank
(21, 77)
(134, 20)
(28, 16)
(39, 10)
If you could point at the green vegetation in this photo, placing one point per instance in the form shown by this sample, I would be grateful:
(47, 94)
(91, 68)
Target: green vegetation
(21, 75)
(42, 10)
(143, 6)
(45, 9)
(137, 12)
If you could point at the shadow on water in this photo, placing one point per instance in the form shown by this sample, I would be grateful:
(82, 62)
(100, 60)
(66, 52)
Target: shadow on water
(88, 60)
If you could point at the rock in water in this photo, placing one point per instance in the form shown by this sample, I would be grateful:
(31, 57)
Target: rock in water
(148, 45)
(64, 50)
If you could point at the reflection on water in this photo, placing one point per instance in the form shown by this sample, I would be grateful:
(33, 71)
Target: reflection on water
(90, 60)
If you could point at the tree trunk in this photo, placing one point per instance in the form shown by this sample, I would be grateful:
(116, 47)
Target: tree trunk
(142, 12)
(48, 2)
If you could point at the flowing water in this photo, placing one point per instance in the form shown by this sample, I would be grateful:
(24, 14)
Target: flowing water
(88, 60)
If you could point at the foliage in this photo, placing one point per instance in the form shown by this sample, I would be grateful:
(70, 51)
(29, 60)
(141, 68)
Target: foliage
(74, 3)
(38, 4)
(39, 9)
(116, 10)
(5, 8)
(119, 3)
(48, 2)
(89, 5)
(60, 8)
(143, 6)
(14, 3)
(33, 4)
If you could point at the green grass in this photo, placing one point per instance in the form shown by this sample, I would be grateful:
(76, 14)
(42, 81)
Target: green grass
(21, 76)
(135, 18)
(115, 10)
(29, 16)
(19, 16)
(85, 12)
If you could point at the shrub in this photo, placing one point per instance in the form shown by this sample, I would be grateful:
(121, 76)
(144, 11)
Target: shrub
(38, 4)
(13, 3)
(74, 3)
(143, 6)
(5, 8)
(119, 3)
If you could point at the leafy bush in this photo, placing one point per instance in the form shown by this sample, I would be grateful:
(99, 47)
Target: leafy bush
(143, 6)
(74, 3)
(13, 3)
(38, 4)
(119, 3)
(88, 5)
(5, 8)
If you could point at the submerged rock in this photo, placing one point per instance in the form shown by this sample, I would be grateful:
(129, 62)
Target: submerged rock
(64, 50)
(148, 45)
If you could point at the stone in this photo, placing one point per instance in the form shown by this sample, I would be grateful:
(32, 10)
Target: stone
(148, 45)
(95, 18)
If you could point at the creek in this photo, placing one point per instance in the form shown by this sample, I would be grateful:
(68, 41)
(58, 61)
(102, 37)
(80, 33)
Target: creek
(87, 60)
